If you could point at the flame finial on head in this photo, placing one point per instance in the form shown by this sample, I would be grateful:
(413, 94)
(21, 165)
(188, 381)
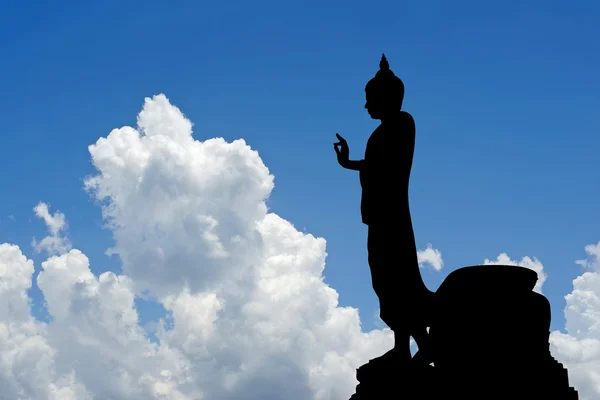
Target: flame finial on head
(383, 64)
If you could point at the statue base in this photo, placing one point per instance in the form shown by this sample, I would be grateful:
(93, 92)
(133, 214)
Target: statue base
(386, 377)
(489, 335)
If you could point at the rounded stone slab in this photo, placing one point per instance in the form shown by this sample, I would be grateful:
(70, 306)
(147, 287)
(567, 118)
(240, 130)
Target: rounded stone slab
(487, 298)
(496, 278)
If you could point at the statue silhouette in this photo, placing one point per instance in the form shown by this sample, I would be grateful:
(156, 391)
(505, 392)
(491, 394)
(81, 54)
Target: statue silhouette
(467, 352)
(384, 176)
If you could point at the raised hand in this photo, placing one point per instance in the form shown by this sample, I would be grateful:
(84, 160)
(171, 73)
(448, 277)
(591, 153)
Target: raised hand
(342, 150)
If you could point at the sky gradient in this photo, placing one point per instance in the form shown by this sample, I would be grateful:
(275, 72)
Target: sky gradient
(505, 99)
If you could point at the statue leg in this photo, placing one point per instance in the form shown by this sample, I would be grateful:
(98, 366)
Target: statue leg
(420, 299)
(402, 346)
(379, 264)
(382, 252)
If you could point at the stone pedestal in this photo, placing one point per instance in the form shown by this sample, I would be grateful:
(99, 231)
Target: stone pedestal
(489, 334)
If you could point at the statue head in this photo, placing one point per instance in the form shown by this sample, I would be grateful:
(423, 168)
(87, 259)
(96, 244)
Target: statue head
(385, 92)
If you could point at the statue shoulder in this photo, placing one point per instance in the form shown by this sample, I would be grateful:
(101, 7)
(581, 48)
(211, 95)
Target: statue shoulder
(408, 121)
(407, 117)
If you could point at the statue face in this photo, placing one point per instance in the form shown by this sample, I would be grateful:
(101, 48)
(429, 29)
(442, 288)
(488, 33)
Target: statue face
(374, 104)
(380, 103)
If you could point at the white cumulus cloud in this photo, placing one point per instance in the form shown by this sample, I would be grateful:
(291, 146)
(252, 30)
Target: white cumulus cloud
(248, 313)
(28, 365)
(430, 256)
(54, 243)
(527, 262)
(579, 347)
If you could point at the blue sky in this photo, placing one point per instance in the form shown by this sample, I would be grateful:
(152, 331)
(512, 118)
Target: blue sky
(504, 96)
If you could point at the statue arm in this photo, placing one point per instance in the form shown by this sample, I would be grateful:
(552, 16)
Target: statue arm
(354, 165)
